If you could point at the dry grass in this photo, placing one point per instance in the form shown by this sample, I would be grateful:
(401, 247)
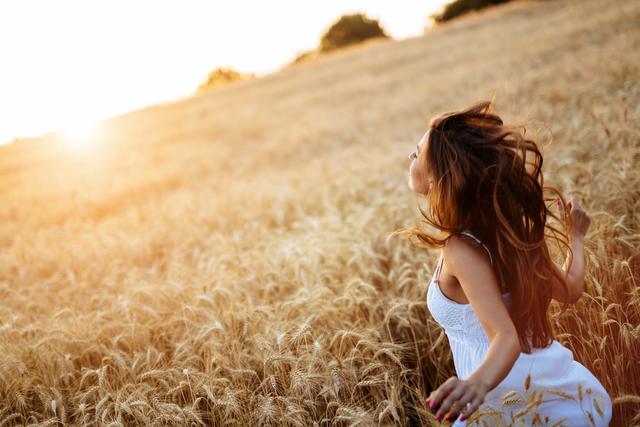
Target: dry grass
(225, 259)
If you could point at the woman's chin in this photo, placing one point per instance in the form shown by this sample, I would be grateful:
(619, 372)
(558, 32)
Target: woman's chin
(412, 188)
(410, 183)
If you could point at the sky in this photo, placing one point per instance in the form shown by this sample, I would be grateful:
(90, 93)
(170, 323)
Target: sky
(66, 64)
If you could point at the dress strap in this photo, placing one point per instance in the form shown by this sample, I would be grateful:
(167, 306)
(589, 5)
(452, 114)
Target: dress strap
(468, 233)
(436, 273)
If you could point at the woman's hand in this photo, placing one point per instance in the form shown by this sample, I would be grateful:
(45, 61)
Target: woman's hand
(457, 397)
(579, 221)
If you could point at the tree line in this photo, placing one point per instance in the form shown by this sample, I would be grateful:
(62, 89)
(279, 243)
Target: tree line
(346, 31)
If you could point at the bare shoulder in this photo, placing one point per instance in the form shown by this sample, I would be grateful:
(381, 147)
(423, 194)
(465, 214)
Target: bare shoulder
(461, 251)
(470, 265)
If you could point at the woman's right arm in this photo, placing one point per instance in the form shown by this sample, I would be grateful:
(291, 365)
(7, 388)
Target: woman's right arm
(573, 269)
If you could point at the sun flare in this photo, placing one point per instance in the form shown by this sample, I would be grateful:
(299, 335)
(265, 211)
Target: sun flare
(80, 134)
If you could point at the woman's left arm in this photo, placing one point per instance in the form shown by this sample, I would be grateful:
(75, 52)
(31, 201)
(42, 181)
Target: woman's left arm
(470, 265)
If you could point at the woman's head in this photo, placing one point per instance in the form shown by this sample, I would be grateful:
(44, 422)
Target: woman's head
(469, 157)
(479, 174)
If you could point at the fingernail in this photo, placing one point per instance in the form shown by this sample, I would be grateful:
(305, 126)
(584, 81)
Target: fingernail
(438, 415)
(432, 405)
(446, 418)
(462, 418)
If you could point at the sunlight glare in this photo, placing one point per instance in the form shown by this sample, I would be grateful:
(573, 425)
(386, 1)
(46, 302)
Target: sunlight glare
(106, 65)
(80, 134)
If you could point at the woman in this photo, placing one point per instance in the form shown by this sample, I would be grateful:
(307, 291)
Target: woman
(495, 278)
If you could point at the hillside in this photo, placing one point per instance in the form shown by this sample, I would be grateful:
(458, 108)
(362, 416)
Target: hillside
(226, 257)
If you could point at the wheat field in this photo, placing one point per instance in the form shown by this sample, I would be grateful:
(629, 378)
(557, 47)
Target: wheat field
(225, 259)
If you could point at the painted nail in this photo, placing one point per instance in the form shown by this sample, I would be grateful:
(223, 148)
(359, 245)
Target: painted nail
(438, 415)
(446, 418)
(462, 418)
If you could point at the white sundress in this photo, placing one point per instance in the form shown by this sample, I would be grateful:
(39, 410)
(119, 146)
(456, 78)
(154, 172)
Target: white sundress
(553, 370)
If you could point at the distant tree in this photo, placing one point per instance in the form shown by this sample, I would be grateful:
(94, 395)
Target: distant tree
(347, 30)
(350, 29)
(456, 8)
(221, 76)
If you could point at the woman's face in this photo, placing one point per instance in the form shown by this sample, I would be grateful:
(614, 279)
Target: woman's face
(419, 181)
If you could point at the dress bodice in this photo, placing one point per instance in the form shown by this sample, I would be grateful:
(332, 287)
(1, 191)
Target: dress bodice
(458, 320)
(467, 337)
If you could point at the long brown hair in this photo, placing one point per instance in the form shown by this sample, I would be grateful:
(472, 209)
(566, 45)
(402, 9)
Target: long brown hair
(487, 178)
